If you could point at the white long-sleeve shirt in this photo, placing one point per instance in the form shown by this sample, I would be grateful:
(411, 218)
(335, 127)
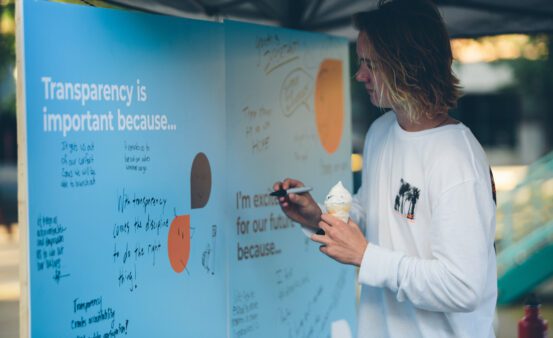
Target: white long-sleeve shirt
(426, 203)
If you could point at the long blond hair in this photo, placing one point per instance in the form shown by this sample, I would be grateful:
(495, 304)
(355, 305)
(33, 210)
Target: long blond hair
(413, 52)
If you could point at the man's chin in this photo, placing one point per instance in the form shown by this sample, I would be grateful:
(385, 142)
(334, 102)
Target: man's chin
(379, 104)
(374, 101)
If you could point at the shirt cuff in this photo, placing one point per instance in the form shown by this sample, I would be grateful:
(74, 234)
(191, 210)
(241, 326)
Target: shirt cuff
(379, 267)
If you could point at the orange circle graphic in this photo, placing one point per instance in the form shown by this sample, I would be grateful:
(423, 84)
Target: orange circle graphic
(178, 242)
(329, 104)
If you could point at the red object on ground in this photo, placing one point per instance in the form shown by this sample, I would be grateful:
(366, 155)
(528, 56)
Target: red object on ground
(532, 325)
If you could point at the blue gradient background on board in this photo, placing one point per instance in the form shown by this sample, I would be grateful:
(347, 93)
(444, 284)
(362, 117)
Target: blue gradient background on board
(298, 292)
(182, 66)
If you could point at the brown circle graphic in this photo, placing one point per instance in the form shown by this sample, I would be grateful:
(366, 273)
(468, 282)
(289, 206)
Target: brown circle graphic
(329, 104)
(200, 181)
(178, 242)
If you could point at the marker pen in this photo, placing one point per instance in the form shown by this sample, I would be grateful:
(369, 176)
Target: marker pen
(298, 190)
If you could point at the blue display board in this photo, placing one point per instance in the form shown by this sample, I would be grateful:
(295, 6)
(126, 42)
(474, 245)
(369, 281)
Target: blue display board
(152, 143)
(119, 105)
(288, 116)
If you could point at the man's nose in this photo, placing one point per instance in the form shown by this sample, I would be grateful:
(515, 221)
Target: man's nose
(362, 75)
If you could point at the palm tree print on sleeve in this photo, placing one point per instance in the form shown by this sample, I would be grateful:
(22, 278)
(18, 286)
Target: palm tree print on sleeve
(406, 199)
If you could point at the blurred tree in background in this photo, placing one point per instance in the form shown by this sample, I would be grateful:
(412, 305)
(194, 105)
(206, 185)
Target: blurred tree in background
(8, 144)
(7, 34)
(534, 83)
(7, 51)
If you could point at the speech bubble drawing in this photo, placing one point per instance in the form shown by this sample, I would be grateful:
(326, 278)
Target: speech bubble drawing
(200, 181)
(296, 91)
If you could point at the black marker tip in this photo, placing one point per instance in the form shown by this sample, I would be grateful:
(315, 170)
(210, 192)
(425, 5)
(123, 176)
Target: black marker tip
(278, 193)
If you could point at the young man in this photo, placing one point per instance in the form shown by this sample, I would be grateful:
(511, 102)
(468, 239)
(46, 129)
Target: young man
(426, 258)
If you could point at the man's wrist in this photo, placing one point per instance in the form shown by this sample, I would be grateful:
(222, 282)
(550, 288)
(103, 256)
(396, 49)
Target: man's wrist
(317, 220)
(361, 255)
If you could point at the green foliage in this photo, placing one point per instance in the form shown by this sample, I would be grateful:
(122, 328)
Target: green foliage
(534, 83)
(7, 40)
(531, 75)
(7, 53)
(535, 78)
